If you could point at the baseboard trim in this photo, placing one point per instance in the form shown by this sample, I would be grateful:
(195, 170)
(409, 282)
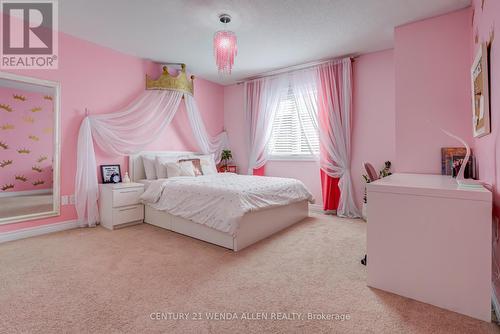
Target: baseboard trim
(37, 230)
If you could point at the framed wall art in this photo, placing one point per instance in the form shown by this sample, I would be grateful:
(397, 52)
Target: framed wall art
(480, 93)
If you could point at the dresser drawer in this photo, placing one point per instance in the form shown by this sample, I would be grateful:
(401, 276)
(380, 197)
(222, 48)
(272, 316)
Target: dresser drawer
(127, 196)
(128, 214)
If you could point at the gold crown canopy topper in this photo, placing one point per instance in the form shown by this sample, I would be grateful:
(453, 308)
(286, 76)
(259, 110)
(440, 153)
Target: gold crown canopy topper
(166, 81)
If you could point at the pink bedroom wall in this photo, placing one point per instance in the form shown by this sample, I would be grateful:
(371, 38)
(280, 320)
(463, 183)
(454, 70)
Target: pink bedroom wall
(432, 64)
(104, 80)
(26, 133)
(373, 132)
(487, 148)
(235, 124)
(373, 125)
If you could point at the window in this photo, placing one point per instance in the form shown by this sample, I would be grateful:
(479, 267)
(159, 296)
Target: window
(293, 134)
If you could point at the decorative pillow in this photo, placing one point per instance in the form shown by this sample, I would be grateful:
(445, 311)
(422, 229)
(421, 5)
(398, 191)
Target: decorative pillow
(208, 164)
(196, 165)
(149, 166)
(184, 168)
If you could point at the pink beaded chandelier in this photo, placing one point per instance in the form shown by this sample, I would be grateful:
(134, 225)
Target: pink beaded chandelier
(225, 48)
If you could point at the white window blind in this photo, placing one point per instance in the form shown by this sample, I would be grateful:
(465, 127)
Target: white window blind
(293, 133)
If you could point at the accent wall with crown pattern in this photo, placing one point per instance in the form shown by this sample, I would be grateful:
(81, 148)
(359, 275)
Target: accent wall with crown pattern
(26, 140)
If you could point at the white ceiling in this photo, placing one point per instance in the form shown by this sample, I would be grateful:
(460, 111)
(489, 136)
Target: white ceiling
(271, 33)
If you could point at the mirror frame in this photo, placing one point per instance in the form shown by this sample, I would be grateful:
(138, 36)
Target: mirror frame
(56, 191)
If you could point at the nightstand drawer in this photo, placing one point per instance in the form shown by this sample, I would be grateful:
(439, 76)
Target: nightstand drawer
(127, 196)
(128, 214)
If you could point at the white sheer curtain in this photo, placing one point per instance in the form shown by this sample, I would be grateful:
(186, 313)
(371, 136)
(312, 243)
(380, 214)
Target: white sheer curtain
(304, 85)
(130, 131)
(262, 98)
(334, 114)
(325, 92)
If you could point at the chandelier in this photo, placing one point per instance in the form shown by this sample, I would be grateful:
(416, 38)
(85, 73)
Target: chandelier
(225, 48)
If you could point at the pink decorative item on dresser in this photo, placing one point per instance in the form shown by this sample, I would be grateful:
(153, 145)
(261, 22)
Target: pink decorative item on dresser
(370, 170)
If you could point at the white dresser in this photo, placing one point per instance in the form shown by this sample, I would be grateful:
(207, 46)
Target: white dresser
(119, 204)
(430, 240)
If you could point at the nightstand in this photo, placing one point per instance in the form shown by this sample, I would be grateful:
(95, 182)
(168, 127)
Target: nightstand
(119, 204)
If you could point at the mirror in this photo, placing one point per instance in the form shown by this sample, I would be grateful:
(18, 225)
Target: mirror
(29, 148)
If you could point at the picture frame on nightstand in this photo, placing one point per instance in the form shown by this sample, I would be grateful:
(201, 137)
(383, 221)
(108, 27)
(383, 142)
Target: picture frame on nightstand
(111, 174)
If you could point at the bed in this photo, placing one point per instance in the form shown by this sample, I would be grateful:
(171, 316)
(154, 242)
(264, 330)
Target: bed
(252, 226)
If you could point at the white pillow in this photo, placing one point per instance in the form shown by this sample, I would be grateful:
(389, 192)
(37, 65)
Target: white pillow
(207, 164)
(149, 166)
(183, 168)
(161, 169)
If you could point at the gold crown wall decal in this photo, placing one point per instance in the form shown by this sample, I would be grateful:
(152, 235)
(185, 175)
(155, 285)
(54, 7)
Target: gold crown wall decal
(23, 151)
(19, 97)
(28, 119)
(36, 109)
(6, 107)
(7, 186)
(37, 169)
(169, 82)
(47, 130)
(21, 178)
(7, 127)
(33, 137)
(42, 158)
(48, 97)
(5, 163)
(38, 182)
(4, 145)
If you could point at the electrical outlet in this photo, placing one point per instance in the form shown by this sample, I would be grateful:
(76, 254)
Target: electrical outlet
(72, 199)
(64, 200)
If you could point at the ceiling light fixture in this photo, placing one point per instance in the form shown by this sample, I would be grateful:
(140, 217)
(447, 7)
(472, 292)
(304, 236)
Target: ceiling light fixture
(225, 48)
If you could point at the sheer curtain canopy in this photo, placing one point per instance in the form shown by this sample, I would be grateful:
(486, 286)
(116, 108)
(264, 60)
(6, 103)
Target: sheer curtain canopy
(324, 92)
(127, 132)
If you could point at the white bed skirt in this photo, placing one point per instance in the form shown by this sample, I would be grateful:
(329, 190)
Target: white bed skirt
(253, 226)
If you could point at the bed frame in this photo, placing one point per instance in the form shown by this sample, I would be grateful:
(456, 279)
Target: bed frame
(253, 226)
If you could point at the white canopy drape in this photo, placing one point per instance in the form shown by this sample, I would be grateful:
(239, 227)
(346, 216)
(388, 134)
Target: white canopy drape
(130, 131)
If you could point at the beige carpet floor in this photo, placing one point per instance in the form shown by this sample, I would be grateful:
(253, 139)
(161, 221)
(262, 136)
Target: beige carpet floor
(100, 281)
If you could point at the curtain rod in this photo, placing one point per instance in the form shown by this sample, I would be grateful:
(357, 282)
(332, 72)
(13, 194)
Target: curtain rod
(292, 68)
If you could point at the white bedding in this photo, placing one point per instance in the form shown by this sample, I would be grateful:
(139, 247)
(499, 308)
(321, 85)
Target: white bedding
(147, 182)
(220, 200)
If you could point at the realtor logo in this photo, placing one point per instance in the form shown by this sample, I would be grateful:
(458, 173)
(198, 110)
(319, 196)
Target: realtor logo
(29, 34)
